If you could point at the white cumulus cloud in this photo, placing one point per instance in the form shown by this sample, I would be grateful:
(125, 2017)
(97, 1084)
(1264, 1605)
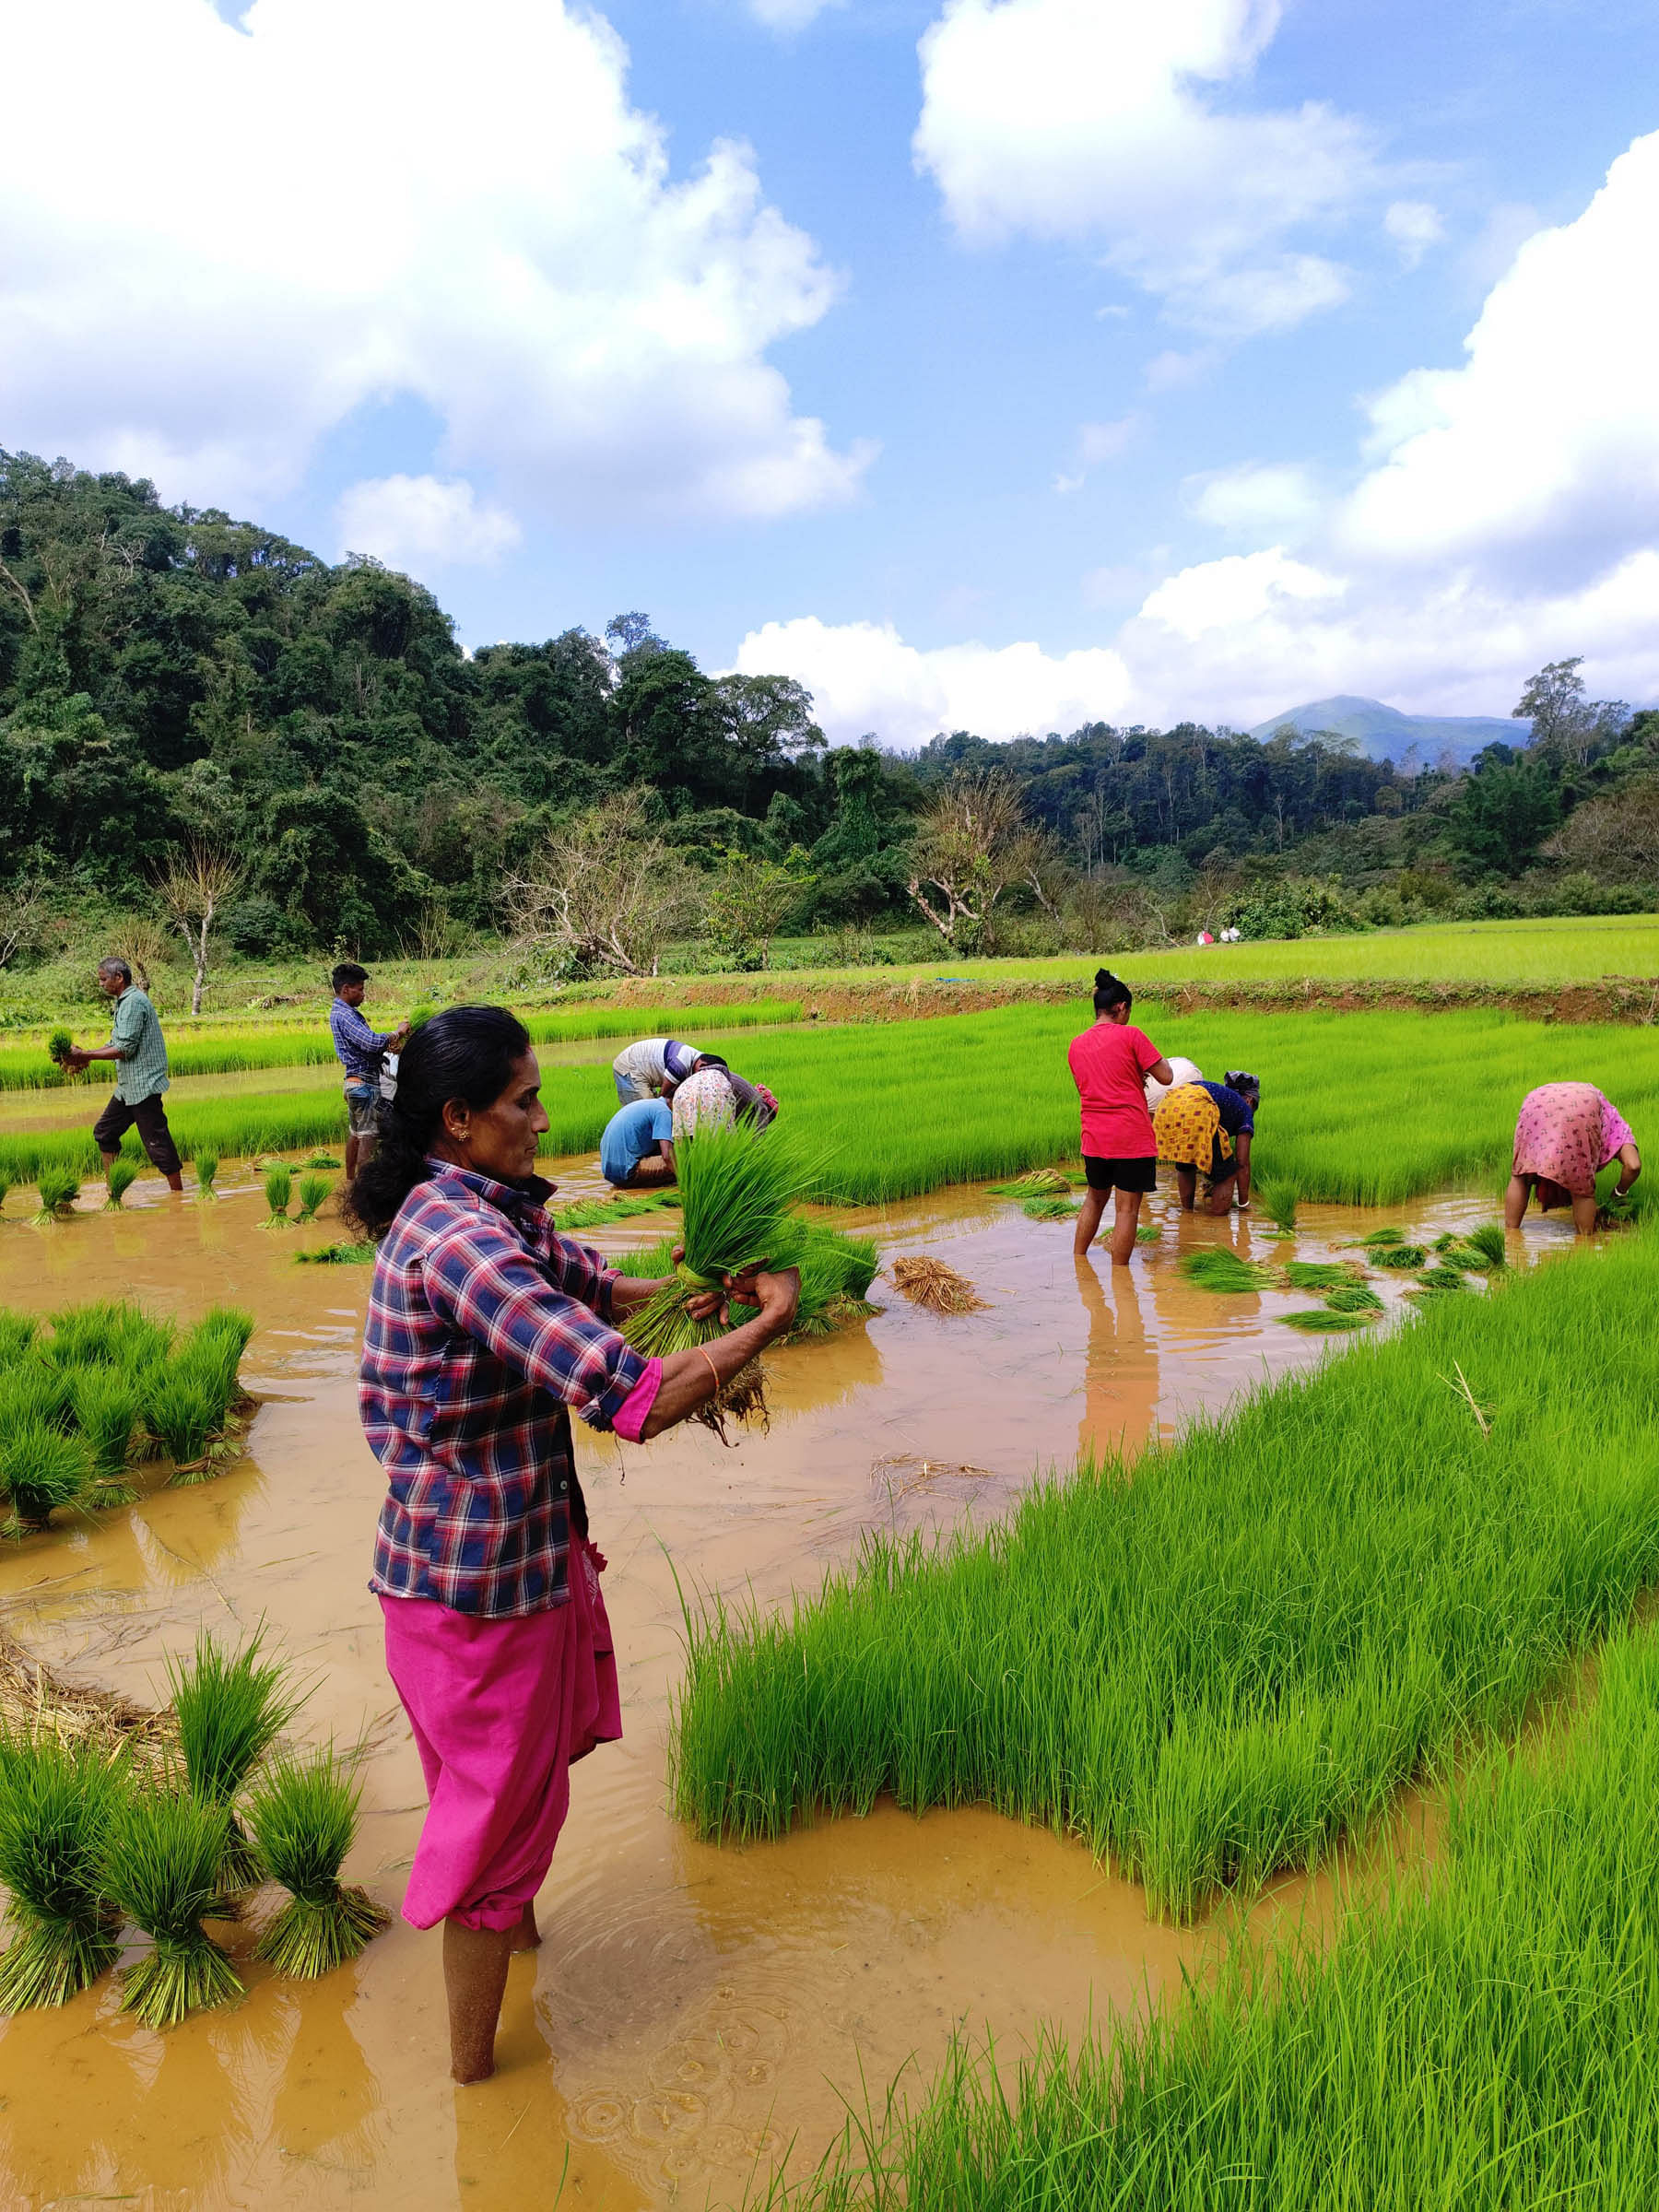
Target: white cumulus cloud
(423, 523)
(1109, 120)
(1257, 498)
(395, 202)
(1539, 458)
(863, 677)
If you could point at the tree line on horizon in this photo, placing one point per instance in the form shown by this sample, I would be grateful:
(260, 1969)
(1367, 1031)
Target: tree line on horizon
(200, 715)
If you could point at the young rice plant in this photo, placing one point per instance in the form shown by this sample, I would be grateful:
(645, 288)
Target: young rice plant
(303, 1817)
(56, 1805)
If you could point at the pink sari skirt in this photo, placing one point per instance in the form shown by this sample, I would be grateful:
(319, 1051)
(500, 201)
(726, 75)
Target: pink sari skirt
(1565, 1133)
(499, 1709)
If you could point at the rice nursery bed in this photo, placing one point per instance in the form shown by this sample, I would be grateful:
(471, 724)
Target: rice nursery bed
(1364, 1108)
(109, 1387)
(1359, 1108)
(1219, 1667)
(1482, 2037)
(201, 1053)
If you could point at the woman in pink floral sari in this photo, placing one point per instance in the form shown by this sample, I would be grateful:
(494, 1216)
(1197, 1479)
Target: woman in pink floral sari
(1566, 1134)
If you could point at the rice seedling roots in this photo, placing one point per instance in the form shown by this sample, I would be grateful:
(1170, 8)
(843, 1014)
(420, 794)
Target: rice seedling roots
(309, 1938)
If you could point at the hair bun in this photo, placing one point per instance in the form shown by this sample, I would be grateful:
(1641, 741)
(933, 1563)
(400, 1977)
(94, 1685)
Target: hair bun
(1103, 977)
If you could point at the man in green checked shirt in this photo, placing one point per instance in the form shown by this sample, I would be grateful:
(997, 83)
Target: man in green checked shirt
(140, 1055)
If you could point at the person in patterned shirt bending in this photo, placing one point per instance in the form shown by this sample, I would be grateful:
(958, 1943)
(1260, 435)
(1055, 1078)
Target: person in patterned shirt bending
(485, 1329)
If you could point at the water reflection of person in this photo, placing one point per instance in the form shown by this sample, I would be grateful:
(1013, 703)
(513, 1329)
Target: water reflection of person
(484, 1327)
(1120, 1372)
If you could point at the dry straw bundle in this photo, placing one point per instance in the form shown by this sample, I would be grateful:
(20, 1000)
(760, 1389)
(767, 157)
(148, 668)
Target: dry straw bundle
(930, 1283)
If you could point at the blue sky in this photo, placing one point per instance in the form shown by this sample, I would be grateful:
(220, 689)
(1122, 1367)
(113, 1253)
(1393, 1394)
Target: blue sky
(1136, 387)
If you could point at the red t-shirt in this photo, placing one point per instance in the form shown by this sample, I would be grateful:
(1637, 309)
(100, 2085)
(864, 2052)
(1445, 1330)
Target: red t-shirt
(1108, 1064)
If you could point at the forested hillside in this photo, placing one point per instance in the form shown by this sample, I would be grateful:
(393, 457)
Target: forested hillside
(173, 679)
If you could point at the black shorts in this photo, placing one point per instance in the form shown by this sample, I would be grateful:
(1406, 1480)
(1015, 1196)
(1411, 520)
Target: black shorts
(1121, 1175)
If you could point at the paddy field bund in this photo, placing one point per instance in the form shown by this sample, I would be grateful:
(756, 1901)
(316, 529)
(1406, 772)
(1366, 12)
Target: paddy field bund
(1194, 1764)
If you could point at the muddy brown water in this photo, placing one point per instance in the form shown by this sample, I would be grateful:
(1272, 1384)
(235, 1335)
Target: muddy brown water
(694, 2010)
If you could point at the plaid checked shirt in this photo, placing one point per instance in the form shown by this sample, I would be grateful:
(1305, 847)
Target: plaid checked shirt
(484, 1328)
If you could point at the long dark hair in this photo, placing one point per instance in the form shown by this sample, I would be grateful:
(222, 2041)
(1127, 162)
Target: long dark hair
(1111, 991)
(467, 1052)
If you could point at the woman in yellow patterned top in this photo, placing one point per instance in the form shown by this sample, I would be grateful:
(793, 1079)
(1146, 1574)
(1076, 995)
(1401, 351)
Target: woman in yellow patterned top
(1192, 1140)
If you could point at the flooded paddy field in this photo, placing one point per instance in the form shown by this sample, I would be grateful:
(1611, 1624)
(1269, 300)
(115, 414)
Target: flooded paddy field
(693, 2009)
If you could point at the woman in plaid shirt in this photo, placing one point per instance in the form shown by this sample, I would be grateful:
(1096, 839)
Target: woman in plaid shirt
(484, 1328)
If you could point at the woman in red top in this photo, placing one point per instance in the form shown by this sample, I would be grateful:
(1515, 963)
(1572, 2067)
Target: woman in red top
(1110, 1065)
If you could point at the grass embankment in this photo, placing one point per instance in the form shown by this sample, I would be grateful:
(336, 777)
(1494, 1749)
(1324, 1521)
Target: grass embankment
(1368, 1109)
(1222, 1665)
(27, 1067)
(1484, 2040)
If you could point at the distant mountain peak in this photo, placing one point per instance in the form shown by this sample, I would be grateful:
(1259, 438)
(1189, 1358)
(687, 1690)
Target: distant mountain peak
(1384, 732)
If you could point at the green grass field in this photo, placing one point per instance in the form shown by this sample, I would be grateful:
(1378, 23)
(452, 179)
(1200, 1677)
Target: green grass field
(1368, 1108)
(1218, 1668)
(1482, 2038)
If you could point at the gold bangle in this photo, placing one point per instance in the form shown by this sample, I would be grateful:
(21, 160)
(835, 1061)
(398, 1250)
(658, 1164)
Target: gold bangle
(712, 1370)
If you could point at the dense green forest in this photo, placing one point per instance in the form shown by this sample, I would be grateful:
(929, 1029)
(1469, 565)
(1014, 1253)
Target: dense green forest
(173, 679)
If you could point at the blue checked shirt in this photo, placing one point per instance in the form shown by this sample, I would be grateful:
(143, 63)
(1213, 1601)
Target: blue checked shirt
(355, 1042)
(484, 1327)
(141, 1070)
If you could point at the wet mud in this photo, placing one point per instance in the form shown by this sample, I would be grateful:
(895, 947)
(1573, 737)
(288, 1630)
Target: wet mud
(694, 2011)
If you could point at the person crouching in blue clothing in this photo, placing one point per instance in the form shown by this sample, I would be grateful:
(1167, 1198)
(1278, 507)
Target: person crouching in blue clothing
(637, 1148)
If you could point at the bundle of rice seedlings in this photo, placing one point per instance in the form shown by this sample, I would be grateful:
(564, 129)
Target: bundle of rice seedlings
(836, 1270)
(1403, 1257)
(1441, 1278)
(1050, 1207)
(1323, 1321)
(165, 1853)
(105, 1403)
(34, 1391)
(229, 1328)
(323, 1159)
(43, 1471)
(1377, 1238)
(1489, 1245)
(738, 1186)
(182, 1410)
(592, 1213)
(929, 1282)
(59, 1046)
(279, 1188)
(1279, 1198)
(303, 1817)
(333, 1256)
(1316, 1274)
(56, 1802)
(231, 1706)
(1354, 1298)
(1217, 1268)
(206, 1166)
(1148, 1233)
(122, 1175)
(314, 1190)
(59, 1189)
(1036, 1182)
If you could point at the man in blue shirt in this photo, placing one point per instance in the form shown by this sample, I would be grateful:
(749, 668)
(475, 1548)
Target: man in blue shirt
(358, 1049)
(637, 1148)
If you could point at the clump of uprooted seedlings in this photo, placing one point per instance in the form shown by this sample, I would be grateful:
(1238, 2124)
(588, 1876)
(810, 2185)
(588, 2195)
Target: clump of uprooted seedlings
(279, 1190)
(1218, 1667)
(931, 1283)
(83, 1405)
(93, 1833)
(1279, 1197)
(740, 1191)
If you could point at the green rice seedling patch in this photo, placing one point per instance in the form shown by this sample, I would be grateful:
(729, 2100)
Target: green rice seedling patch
(341, 1254)
(1316, 1274)
(1222, 1665)
(1050, 1208)
(122, 1175)
(314, 1193)
(58, 1188)
(206, 1169)
(1037, 1183)
(1324, 1321)
(1401, 1258)
(1479, 2035)
(1278, 1197)
(1354, 1298)
(279, 1190)
(593, 1212)
(1214, 1267)
(231, 1707)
